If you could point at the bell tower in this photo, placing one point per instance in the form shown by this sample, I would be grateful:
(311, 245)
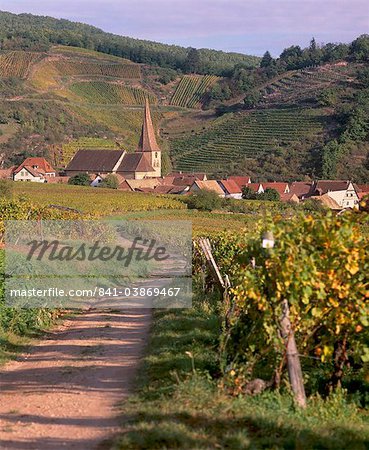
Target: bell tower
(148, 144)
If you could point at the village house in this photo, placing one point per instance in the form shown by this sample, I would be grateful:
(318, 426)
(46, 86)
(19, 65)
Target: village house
(208, 185)
(34, 169)
(7, 174)
(145, 162)
(241, 181)
(281, 188)
(230, 189)
(342, 192)
(300, 188)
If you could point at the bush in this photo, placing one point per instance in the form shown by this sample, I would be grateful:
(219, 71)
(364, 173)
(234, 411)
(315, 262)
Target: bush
(110, 182)
(204, 201)
(81, 179)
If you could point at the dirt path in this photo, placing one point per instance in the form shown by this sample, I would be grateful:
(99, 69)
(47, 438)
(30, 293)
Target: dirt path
(64, 393)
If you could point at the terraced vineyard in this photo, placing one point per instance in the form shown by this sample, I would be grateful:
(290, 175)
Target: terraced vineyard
(100, 92)
(191, 90)
(17, 64)
(74, 67)
(243, 135)
(70, 149)
(303, 84)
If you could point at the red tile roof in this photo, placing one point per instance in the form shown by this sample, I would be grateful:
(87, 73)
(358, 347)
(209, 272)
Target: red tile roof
(323, 186)
(241, 181)
(253, 186)
(363, 188)
(41, 163)
(209, 185)
(7, 173)
(230, 186)
(279, 187)
(300, 188)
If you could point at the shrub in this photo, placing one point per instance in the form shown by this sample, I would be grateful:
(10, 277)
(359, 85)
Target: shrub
(81, 179)
(204, 200)
(110, 181)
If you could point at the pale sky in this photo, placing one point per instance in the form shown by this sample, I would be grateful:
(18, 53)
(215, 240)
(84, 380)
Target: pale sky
(246, 26)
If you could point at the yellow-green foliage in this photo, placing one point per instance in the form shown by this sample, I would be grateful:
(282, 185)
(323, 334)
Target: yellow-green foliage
(17, 63)
(319, 265)
(101, 92)
(97, 201)
(125, 121)
(191, 89)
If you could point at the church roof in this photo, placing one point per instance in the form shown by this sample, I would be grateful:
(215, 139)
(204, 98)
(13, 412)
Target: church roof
(94, 161)
(147, 140)
(135, 162)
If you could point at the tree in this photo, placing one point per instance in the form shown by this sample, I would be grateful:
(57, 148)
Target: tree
(192, 63)
(267, 60)
(363, 76)
(81, 179)
(204, 200)
(252, 98)
(359, 49)
(313, 47)
(110, 182)
(328, 97)
(248, 193)
(271, 195)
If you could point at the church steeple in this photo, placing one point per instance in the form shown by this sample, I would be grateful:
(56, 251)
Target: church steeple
(147, 140)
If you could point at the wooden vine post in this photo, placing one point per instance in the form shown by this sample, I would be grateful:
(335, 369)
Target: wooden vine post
(292, 355)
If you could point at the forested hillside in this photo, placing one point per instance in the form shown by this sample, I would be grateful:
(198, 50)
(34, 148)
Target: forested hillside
(37, 33)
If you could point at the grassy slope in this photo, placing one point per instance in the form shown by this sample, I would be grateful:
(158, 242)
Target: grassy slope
(179, 408)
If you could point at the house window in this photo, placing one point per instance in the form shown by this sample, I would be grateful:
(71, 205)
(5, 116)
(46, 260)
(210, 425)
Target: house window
(156, 154)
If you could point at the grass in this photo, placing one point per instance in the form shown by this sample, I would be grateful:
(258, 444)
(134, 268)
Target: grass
(179, 406)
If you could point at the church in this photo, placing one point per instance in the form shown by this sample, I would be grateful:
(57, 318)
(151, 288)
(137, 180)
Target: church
(145, 162)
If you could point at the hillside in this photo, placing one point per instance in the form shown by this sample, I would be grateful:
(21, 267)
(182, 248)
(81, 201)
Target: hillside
(286, 120)
(30, 32)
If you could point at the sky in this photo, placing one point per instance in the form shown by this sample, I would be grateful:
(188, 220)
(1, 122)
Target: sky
(246, 26)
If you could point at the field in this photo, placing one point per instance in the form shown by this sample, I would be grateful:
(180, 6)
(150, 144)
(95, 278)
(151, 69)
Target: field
(100, 92)
(17, 63)
(191, 90)
(242, 135)
(99, 202)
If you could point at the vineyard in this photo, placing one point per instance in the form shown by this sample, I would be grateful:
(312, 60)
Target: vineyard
(100, 92)
(125, 121)
(304, 83)
(98, 202)
(75, 67)
(241, 136)
(17, 64)
(191, 90)
(70, 149)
